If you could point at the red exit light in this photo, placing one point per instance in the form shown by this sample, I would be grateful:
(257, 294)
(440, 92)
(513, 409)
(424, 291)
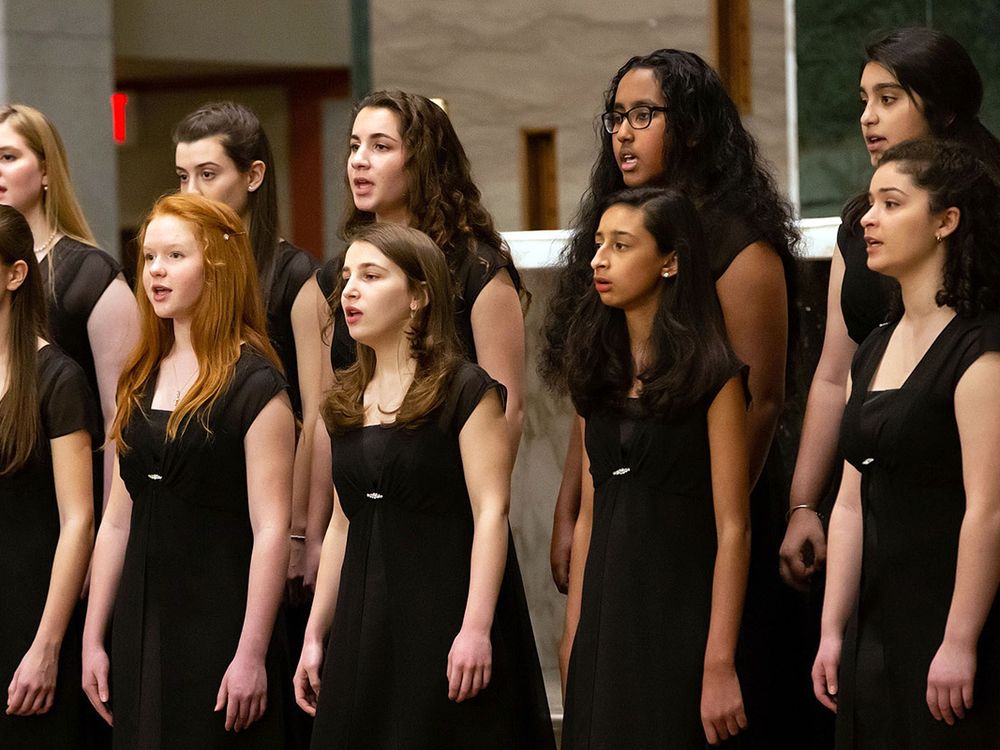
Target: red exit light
(118, 102)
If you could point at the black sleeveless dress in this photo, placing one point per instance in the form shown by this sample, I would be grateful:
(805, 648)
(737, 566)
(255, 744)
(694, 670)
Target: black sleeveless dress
(403, 591)
(635, 673)
(471, 275)
(292, 269)
(183, 593)
(29, 532)
(905, 443)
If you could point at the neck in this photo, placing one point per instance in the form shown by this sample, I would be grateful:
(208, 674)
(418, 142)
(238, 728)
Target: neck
(394, 216)
(41, 230)
(639, 321)
(919, 288)
(393, 358)
(182, 336)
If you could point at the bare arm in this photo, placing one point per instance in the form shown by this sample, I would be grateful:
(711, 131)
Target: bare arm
(753, 297)
(486, 458)
(307, 674)
(32, 688)
(842, 580)
(803, 550)
(567, 508)
(721, 702)
(113, 331)
(307, 330)
(270, 448)
(578, 562)
(498, 331)
(977, 410)
(109, 556)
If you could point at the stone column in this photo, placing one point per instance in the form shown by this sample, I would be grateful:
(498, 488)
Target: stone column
(58, 56)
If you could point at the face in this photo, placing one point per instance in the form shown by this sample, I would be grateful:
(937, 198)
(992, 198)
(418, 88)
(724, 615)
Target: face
(640, 153)
(173, 272)
(21, 174)
(377, 301)
(628, 265)
(376, 167)
(890, 115)
(204, 168)
(900, 230)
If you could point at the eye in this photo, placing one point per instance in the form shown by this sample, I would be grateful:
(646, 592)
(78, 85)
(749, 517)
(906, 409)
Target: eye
(620, 246)
(641, 116)
(182, 178)
(355, 147)
(8, 157)
(175, 255)
(887, 100)
(380, 147)
(369, 276)
(206, 175)
(148, 257)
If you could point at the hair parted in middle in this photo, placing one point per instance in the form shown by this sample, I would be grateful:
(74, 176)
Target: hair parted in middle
(19, 434)
(228, 313)
(689, 353)
(432, 337)
(954, 176)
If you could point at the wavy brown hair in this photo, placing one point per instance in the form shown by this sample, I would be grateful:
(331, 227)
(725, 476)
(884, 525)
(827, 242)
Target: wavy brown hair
(228, 314)
(442, 199)
(432, 338)
(19, 435)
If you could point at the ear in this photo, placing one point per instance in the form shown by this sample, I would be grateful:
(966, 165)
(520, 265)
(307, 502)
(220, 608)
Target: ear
(669, 267)
(16, 274)
(420, 299)
(948, 222)
(255, 175)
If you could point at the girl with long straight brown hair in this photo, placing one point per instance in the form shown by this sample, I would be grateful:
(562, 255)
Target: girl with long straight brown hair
(419, 607)
(191, 555)
(47, 419)
(91, 311)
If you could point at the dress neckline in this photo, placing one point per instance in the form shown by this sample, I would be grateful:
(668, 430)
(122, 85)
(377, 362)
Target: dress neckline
(920, 362)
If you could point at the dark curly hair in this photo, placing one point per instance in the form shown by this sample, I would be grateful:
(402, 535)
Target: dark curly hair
(688, 350)
(953, 176)
(711, 158)
(934, 67)
(441, 196)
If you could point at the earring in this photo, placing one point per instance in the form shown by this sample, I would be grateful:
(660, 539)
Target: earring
(938, 237)
(666, 273)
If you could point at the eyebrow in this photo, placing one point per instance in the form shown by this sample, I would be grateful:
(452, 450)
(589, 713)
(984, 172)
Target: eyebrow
(890, 190)
(198, 166)
(363, 266)
(617, 233)
(355, 137)
(639, 103)
(884, 87)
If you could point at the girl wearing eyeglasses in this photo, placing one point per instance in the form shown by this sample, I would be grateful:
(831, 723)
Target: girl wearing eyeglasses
(669, 122)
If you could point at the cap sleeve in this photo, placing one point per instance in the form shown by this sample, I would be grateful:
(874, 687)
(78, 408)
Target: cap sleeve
(256, 382)
(89, 280)
(469, 385)
(478, 270)
(67, 403)
(982, 338)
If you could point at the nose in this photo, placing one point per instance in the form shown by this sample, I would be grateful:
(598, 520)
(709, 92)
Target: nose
(869, 218)
(598, 261)
(350, 290)
(868, 116)
(358, 157)
(155, 266)
(190, 187)
(624, 133)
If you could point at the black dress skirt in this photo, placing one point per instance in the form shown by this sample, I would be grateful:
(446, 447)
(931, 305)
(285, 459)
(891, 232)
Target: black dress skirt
(29, 532)
(404, 585)
(183, 594)
(905, 443)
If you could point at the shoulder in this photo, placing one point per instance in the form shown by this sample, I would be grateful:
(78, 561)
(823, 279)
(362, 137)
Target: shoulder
(65, 399)
(727, 234)
(468, 385)
(327, 275)
(295, 261)
(56, 369)
(480, 264)
(252, 362)
(86, 256)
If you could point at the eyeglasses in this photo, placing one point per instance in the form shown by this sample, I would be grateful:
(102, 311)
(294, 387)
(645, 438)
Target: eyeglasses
(638, 117)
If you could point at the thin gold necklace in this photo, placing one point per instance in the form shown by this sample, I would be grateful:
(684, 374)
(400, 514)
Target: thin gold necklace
(184, 387)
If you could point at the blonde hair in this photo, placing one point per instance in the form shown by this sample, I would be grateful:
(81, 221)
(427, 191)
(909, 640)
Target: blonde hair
(228, 313)
(62, 209)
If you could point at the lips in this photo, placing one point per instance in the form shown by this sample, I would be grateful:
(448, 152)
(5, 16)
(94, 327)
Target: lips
(627, 161)
(352, 315)
(874, 142)
(871, 243)
(159, 292)
(601, 285)
(361, 186)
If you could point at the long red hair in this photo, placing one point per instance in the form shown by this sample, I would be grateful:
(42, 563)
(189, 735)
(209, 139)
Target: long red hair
(229, 313)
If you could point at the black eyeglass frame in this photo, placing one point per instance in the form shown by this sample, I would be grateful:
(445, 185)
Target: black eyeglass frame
(612, 121)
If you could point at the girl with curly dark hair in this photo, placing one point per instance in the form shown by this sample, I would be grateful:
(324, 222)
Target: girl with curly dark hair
(662, 546)
(914, 83)
(668, 121)
(407, 166)
(419, 635)
(914, 547)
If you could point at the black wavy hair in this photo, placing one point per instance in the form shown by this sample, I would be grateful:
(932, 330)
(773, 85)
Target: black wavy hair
(935, 67)
(711, 158)
(952, 175)
(689, 354)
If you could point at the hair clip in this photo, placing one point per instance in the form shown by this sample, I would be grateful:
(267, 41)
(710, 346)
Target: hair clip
(227, 235)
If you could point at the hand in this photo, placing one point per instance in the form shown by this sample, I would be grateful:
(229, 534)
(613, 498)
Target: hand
(803, 550)
(722, 714)
(824, 672)
(949, 682)
(33, 688)
(95, 680)
(306, 679)
(243, 692)
(470, 662)
(310, 567)
(296, 593)
(559, 551)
